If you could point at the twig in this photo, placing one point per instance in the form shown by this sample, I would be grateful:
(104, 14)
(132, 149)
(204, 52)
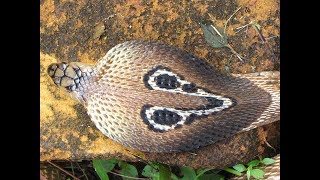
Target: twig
(82, 171)
(270, 146)
(225, 26)
(126, 176)
(228, 45)
(241, 27)
(257, 28)
(211, 16)
(246, 32)
(235, 53)
(53, 164)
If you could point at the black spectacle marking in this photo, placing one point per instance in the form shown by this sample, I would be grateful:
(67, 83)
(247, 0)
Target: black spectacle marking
(145, 119)
(146, 78)
(189, 88)
(165, 117)
(151, 127)
(190, 118)
(178, 126)
(213, 102)
(167, 82)
(150, 73)
(234, 103)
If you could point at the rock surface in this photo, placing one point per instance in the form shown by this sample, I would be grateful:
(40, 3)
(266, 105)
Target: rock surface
(85, 30)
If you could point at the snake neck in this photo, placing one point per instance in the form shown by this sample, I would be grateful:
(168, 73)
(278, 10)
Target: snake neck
(85, 83)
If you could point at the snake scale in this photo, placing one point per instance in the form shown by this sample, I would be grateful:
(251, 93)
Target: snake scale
(158, 98)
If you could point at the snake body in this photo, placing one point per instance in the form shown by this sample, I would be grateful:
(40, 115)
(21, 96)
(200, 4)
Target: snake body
(157, 98)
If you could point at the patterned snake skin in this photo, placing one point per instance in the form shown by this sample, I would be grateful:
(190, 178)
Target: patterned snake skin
(158, 98)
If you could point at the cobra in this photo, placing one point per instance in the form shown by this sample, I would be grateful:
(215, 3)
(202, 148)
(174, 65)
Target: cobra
(157, 98)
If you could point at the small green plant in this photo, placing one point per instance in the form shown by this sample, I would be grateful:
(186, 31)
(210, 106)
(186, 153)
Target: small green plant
(249, 168)
(216, 37)
(153, 170)
(158, 171)
(199, 174)
(102, 167)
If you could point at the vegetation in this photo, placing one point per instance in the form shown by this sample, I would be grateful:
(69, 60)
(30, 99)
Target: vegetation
(157, 171)
(249, 168)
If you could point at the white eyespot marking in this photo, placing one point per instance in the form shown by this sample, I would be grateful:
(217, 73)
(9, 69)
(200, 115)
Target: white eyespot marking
(162, 119)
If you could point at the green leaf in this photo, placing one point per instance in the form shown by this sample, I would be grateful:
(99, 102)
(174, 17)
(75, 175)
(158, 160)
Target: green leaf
(214, 35)
(249, 169)
(164, 172)
(188, 173)
(248, 175)
(157, 171)
(174, 177)
(102, 167)
(151, 171)
(254, 163)
(257, 173)
(128, 170)
(200, 172)
(267, 161)
(232, 171)
(211, 177)
(239, 167)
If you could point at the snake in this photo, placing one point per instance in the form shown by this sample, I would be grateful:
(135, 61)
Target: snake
(154, 97)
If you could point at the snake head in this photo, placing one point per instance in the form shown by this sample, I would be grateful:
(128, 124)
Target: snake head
(64, 75)
(72, 77)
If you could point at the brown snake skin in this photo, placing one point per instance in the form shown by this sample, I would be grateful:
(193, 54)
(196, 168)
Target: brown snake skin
(158, 98)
